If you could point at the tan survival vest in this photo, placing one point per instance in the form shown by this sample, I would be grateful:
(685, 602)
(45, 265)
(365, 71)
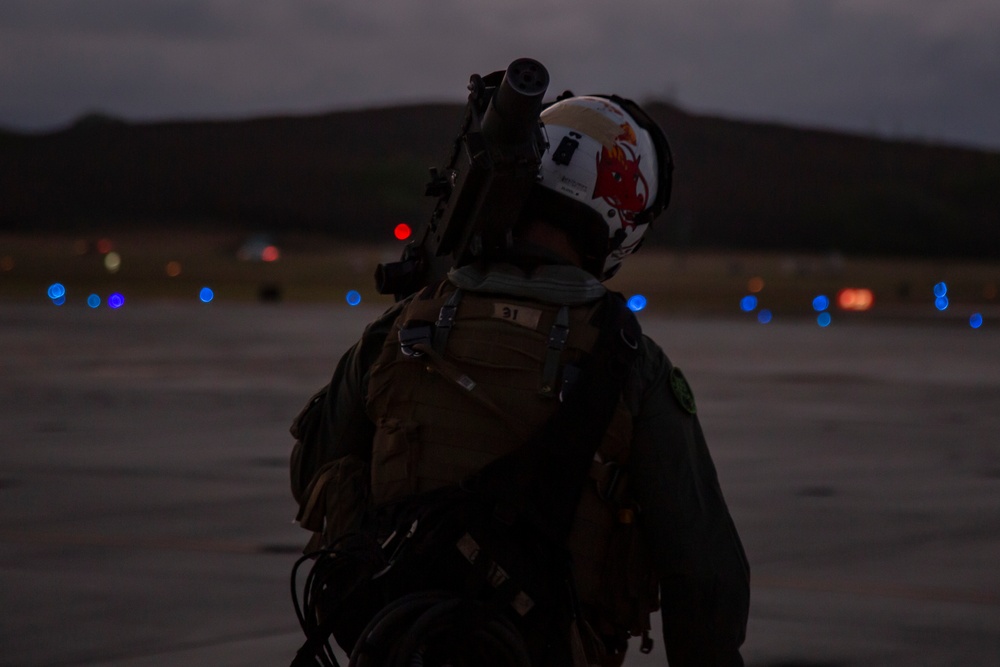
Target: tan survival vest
(462, 379)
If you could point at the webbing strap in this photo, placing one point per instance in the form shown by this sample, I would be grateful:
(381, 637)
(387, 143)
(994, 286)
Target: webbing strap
(582, 333)
(446, 318)
(452, 372)
(307, 516)
(542, 480)
(558, 336)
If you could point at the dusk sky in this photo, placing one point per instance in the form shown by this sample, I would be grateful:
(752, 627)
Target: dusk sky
(923, 69)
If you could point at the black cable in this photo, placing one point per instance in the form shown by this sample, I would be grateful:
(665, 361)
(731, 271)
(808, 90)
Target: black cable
(474, 633)
(376, 636)
(295, 591)
(314, 593)
(436, 627)
(419, 633)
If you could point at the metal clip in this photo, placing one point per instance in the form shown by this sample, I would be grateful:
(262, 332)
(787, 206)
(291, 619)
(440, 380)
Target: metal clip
(397, 550)
(612, 481)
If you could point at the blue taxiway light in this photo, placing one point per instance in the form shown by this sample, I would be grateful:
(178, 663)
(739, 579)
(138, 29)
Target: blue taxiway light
(56, 291)
(636, 303)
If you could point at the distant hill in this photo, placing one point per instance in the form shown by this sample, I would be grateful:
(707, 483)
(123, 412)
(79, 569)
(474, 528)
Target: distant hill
(354, 174)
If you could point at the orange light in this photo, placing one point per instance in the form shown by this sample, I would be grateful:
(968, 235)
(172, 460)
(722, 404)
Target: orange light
(402, 231)
(755, 285)
(104, 246)
(270, 254)
(855, 299)
(173, 269)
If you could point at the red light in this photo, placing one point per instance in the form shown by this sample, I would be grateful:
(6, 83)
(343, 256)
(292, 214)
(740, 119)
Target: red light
(270, 254)
(402, 231)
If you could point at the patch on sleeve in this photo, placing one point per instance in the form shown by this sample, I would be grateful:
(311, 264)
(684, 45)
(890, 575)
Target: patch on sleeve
(526, 317)
(682, 390)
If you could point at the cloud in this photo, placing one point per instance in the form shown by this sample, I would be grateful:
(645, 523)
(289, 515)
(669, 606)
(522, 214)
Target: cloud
(114, 18)
(920, 67)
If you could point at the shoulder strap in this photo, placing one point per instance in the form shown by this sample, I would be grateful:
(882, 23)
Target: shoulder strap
(542, 480)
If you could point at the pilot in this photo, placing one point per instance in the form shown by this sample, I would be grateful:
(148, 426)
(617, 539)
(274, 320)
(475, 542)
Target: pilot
(651, 529)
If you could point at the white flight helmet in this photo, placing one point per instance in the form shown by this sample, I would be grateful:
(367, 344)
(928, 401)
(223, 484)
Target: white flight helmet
(606, 153)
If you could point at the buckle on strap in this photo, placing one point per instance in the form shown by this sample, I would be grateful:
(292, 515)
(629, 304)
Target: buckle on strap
(413, 333)
(446, 318)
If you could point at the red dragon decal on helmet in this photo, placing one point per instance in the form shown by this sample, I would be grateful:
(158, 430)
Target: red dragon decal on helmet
(619, 181)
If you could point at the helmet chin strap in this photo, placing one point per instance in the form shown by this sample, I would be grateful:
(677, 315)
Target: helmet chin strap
(617, 240)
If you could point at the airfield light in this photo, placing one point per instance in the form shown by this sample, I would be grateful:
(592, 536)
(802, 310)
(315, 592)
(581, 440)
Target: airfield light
(941, 303)
(353, 298)
(59, 300)
(824, 319)
(976, 320)
(104, 246)
(206, 295)
(940, 290)
(636, 303)
(855, 299)
(56, 291)
(270, 254)
(116, 301)
(755, 285)
(764, 316)
(821, 303)
(402, 231)
(173, 269)
(93, 301)
(748, 303)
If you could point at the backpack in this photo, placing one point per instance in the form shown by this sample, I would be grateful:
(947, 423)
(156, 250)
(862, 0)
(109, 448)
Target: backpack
(499, 534)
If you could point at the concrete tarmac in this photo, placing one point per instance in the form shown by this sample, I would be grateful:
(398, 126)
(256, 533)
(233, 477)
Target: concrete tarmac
(145, 517)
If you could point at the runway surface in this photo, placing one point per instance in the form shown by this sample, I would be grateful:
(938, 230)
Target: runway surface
(145, 517)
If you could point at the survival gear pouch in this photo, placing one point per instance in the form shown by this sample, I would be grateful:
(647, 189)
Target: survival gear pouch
(498, 536)
(335, 501)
